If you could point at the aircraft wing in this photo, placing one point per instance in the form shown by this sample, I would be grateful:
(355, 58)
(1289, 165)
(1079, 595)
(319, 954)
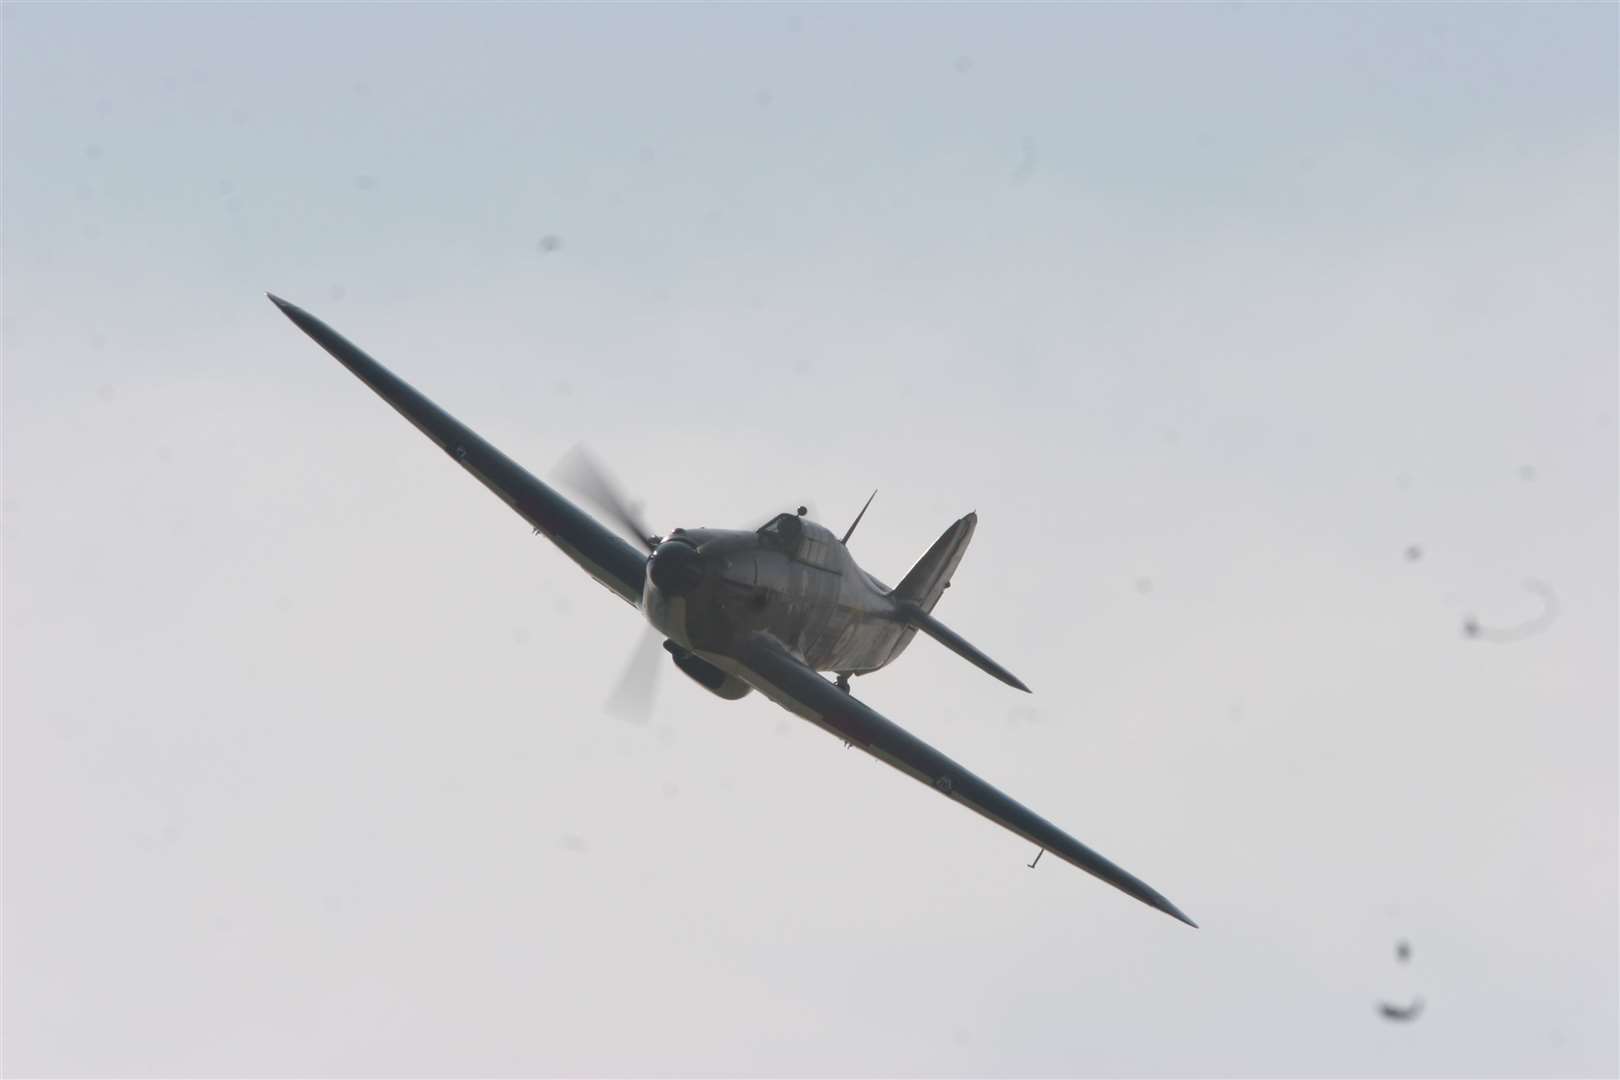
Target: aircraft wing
(602, 553)
(783, 678)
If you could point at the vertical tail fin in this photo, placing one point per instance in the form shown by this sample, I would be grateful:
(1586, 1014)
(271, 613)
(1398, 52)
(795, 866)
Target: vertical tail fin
(928, 580)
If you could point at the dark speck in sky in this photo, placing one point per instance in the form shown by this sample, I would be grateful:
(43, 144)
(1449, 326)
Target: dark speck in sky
(549, 243)
(1401, 1012)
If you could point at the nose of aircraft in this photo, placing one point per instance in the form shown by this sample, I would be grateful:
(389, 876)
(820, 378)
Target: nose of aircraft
(676, 568)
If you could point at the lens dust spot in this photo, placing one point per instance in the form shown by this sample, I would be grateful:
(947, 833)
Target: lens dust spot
(1473, 628)
(1026, 161)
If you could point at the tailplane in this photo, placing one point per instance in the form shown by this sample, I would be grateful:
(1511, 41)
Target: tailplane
(921, 589)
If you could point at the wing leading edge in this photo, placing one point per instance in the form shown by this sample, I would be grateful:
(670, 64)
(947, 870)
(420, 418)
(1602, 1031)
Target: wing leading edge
(784, 679)
(601, 553)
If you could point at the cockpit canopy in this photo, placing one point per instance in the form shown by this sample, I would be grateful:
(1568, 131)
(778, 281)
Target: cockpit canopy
(784, 532)
(804, 541)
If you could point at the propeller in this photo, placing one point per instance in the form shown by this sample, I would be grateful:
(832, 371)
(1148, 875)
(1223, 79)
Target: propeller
(675, 566)
(637, 689)
(581, 472)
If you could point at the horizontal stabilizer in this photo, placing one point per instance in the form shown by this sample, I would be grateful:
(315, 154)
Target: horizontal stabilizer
(960, 646)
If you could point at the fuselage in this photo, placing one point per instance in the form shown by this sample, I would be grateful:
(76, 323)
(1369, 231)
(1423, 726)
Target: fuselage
(792, 579)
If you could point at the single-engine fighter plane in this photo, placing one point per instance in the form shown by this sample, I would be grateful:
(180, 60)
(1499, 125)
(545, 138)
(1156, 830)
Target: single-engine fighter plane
(766, 610)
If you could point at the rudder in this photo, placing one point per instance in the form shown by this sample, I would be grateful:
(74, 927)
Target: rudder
(926, 582)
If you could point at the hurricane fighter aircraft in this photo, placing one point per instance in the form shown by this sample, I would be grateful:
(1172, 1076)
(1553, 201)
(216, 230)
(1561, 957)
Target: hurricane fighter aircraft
(767, 610)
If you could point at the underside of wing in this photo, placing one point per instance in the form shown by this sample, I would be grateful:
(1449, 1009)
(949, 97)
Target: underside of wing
(787, 681)
(600, 552)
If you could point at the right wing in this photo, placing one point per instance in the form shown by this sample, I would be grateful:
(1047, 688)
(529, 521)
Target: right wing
(786, 680)
(601, 553)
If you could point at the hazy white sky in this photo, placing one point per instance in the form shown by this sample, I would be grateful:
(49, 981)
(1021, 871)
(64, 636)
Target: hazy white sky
(1210, 312)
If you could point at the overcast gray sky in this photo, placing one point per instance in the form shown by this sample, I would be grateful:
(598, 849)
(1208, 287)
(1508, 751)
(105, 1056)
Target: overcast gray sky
(1211, 313)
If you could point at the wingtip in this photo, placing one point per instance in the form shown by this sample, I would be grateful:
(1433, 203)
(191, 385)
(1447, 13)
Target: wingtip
(278, 301)
(1175, 913)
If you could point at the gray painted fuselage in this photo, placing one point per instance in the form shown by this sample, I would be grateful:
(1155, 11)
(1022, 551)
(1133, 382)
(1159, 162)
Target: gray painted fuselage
(804, 590)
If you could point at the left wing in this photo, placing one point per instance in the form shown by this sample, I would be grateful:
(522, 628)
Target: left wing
(784, 679)
(599, 552)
